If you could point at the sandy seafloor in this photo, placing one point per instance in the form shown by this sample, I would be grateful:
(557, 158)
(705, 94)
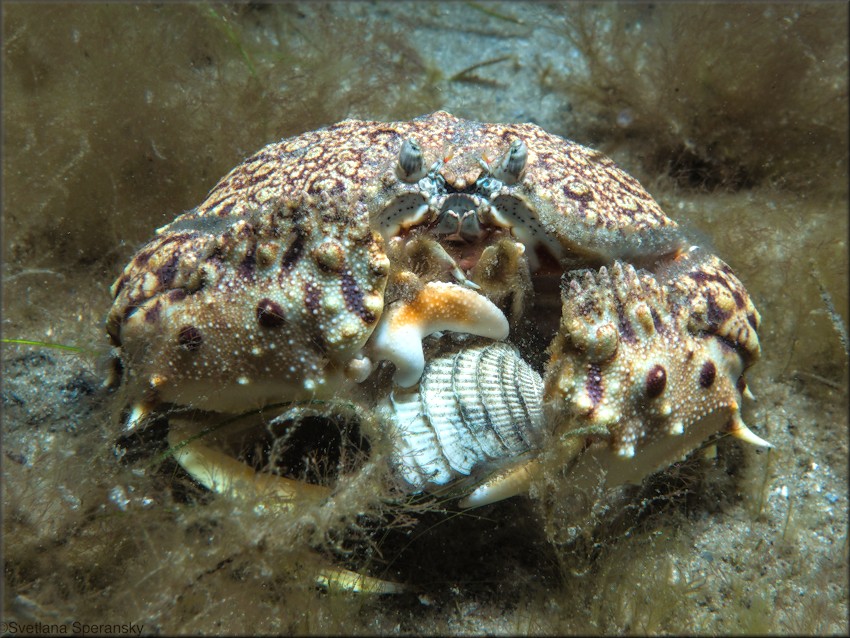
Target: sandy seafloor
(757, 544)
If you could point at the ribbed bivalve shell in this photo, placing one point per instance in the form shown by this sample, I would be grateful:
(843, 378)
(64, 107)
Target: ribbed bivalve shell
(475, 409)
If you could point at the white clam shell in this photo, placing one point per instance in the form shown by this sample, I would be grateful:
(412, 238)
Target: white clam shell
(474, 409)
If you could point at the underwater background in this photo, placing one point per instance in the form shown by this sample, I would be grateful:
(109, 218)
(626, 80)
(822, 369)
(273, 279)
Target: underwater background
(118, 117)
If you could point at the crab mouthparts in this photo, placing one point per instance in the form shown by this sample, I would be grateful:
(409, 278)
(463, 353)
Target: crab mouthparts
(459, 219)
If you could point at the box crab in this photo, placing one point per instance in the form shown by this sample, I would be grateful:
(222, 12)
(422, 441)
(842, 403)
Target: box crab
(525, 293)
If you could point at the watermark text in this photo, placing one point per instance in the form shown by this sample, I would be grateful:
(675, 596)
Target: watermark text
(15, 628)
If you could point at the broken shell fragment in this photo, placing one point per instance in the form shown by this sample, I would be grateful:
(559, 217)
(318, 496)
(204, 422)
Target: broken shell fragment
(474, 410)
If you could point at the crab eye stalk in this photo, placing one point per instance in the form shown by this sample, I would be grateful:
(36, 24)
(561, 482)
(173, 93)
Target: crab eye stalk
(410, 161)
(513, 162)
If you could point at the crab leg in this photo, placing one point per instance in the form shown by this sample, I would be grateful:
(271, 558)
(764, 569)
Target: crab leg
(337, 579)
(223, 474)
(517, 479)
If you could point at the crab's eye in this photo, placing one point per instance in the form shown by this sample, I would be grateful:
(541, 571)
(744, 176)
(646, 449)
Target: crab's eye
(513, 162)
(410, 161)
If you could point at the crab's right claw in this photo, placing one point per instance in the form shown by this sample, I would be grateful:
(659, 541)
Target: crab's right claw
(224, 474)
(503, 485)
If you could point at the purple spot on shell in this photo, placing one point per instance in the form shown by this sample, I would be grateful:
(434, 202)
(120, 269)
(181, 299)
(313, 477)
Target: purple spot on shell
(656, 381)
(739, 298)
(586, 196)
(178, 294)
(707, 374)
(312, 296)
(246, 268)
(593, 385)
(225, 210)
(152, 313)
(627, 332)
(190, 338)
(141, 260)
(715, 315)
(270, 314)
(353, 297)
(660, 328)
(293, 253)
(168, 271)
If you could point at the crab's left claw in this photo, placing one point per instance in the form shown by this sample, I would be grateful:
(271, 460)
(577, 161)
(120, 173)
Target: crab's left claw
(437, 306)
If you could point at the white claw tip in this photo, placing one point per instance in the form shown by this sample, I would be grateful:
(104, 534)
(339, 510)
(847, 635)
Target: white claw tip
(137, 414)
(511, 483)
(438, 306)
(740, 431)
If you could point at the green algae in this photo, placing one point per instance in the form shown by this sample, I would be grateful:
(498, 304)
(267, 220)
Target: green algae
(118, 117)
(714, 95)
